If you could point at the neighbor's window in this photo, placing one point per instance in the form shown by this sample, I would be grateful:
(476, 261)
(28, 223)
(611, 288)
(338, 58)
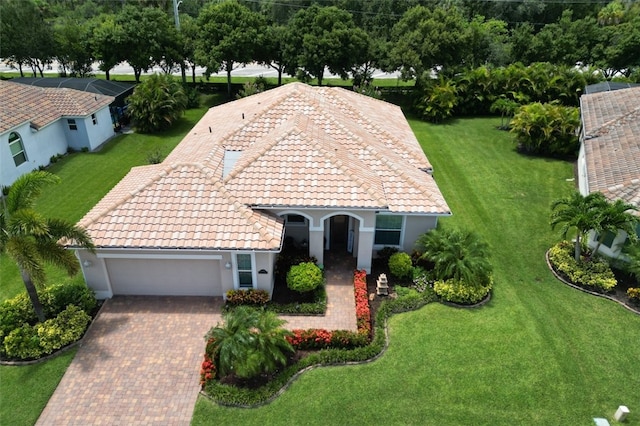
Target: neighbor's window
(94, 119)
(388, 230)
(17, 148)
(608, 239)
(245, 273)
(72, 124)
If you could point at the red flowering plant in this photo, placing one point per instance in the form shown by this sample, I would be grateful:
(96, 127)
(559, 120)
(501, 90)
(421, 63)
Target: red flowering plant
(208, 368)
(363, 313)
(313, 338)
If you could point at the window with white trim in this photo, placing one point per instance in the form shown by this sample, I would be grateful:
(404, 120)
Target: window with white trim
(94, 119)
(388, 230)
(72, 124)
(17, 148)
(245, 270)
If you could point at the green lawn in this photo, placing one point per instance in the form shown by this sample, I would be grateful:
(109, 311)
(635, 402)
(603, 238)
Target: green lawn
(539, 353)
(86, 178)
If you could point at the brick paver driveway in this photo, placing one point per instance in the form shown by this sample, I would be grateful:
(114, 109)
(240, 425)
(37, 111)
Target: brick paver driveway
(139, 364)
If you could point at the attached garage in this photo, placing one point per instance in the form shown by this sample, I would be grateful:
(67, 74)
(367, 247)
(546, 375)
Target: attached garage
(164, 277)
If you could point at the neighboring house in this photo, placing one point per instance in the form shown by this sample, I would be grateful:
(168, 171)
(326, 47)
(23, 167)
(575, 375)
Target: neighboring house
(37, 124)
(314, 168)
(609, 159)
(118, 89)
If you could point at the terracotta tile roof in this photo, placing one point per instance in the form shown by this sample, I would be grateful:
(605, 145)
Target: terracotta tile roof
(611, 125)
(178, 206)
(294, 146)
(41, 106)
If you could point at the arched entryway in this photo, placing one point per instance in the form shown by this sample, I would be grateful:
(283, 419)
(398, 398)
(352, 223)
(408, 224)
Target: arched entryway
(341, 234)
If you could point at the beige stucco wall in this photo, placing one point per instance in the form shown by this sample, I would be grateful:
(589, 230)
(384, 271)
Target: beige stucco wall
(414, 226)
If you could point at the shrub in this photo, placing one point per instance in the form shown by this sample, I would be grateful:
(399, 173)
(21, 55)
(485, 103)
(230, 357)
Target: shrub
(156, 103)
(400, 265)
(155, 157)
(457, 291)
(593, 273)
(404, 291)
(304, 277)
(43, 338)
(57, 297)
(247, 297)
(18, 310)
(634, 294)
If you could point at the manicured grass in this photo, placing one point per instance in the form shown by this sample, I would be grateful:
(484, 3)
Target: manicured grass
(26, 389)
(539, 353)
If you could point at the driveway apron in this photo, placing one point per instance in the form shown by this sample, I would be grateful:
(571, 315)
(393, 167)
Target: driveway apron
(138, 364)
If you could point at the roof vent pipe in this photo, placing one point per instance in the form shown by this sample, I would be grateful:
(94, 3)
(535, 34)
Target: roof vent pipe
(243, 115)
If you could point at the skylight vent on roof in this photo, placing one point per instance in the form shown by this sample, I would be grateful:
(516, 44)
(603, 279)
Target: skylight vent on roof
(229, 161)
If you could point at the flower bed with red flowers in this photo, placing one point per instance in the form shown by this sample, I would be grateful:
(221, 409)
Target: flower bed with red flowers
(319, 338)
(208, 368)
(363, 312)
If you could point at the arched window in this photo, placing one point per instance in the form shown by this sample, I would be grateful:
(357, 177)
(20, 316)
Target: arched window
(17, 148)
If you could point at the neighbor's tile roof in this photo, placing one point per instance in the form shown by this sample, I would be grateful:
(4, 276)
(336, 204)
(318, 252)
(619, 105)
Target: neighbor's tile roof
(41, 106)
(300, 146)
(611, 122)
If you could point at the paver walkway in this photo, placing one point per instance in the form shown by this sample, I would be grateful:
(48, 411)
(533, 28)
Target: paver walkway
(139, 363)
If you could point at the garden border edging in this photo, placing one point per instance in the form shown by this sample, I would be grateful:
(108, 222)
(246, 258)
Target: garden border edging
(555, 274)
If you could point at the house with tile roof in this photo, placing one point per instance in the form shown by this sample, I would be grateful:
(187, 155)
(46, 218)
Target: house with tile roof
(309, 168)
(38, 123)
(609, 158)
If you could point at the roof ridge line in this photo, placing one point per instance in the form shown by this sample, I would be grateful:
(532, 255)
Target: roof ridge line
(605, 126)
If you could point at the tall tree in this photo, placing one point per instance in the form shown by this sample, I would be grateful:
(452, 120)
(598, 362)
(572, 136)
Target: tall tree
(73, 49)
(107, 42)
(578, 212)
(272, 47)
(324, 37)
(149, 37)
(32, 240)
(228, 36)
(426, 39)
(26, 36)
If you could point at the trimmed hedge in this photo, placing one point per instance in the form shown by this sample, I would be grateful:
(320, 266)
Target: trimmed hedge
(251, 297)
(318, 307)
(457, 291)
(304, 277)
(594, 273)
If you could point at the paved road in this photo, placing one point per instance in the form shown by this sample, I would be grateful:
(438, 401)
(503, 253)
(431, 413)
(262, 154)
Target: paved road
(250, 70)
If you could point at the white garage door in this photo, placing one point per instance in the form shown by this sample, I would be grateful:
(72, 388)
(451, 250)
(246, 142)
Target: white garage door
(165, 277)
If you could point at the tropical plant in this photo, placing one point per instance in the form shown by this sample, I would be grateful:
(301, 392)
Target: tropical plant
(580, 212)
(546, 129)
(32, 240)
(507, 108)
(456, 254)
(439, 101)
(306, 276)
(156, 103)
(632, 265)
(250, 342)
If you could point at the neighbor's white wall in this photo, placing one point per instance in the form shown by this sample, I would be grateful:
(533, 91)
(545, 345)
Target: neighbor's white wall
(39, 147)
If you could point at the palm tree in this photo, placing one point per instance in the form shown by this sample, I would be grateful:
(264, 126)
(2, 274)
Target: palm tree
(32, 240)
(249, 342)
(157, 103)
(614, 218)
(580, 212)
(460, 255)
